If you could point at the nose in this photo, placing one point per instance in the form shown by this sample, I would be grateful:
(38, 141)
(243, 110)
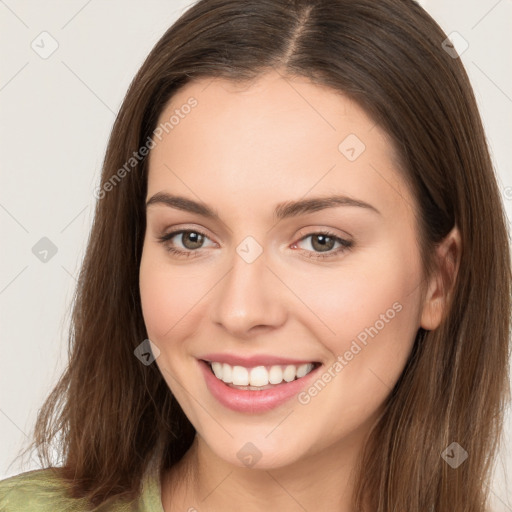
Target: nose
(250, 299)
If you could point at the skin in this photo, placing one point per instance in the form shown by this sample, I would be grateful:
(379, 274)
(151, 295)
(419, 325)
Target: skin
(243, 150)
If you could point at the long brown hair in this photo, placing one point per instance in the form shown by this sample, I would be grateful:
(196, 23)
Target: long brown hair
(109, 412)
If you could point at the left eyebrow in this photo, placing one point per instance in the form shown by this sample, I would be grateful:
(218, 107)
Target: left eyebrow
(303, 206)
(282, 211)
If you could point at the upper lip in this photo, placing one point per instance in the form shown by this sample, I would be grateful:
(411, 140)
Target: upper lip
(252, 361)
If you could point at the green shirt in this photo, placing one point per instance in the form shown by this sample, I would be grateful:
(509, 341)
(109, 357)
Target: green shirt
(41, 491)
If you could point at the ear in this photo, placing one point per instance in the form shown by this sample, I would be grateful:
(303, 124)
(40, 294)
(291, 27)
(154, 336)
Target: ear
(442, 280)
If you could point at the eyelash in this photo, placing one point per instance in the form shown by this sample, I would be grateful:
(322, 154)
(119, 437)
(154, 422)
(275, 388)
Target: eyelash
(345, 244)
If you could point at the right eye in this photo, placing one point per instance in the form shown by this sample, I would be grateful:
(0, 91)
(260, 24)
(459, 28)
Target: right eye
(191, 241)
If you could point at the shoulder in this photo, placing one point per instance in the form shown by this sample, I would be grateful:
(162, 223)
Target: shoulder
(40, 490)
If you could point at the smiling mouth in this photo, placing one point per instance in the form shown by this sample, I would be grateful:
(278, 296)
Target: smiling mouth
(259, 378)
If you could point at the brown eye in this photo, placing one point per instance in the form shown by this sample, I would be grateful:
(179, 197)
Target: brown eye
(192, 240)
(322, 243)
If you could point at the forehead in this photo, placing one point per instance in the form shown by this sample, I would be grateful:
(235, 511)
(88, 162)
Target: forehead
(270, 139)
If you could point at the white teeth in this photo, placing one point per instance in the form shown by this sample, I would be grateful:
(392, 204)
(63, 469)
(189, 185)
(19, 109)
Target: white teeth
(240, 376)
(275, 375)
(289, 373)
(259, 376)
(227, 373)
(217, 369)
(302, 370)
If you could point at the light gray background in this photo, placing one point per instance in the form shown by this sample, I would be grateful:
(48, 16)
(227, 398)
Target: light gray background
(56, 116)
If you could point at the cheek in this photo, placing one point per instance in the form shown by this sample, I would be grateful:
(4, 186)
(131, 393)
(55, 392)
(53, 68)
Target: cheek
(374, 300)
(157, 300)
(373, 309)
(172, 296)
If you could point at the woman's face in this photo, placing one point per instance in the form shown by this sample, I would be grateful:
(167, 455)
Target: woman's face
(259, 278)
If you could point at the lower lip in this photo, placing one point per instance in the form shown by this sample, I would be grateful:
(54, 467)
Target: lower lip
(253, 401)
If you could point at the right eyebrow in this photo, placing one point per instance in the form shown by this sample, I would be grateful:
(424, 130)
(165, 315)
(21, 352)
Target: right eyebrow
(182, 203)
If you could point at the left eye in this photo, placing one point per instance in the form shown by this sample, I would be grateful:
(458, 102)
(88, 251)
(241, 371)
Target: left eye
(324, 242)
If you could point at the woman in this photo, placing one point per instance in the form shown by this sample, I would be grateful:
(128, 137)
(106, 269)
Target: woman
(296, 294)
